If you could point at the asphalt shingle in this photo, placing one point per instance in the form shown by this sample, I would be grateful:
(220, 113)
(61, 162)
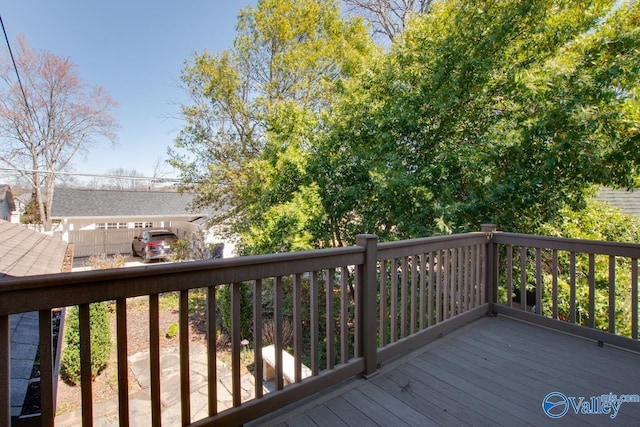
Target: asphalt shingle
(73, 203)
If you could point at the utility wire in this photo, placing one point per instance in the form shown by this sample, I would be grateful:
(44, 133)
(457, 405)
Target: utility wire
(15, 67)
(94, 175)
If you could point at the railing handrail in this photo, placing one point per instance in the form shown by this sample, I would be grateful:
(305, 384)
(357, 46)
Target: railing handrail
(550, 264)
(66, 289)
(629, 250)
(402, 248)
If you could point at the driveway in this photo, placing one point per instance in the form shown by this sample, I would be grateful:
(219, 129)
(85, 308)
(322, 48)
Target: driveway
(83, 263)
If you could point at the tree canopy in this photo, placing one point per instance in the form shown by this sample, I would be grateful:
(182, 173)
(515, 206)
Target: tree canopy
(255, 111)
(503, 112)
(498, 112)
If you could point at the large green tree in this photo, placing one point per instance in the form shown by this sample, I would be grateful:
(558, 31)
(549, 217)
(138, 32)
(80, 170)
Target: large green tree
(485, 111)
(254, 114)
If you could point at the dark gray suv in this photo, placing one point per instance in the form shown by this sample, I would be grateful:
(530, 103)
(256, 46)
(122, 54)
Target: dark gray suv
(153, 244)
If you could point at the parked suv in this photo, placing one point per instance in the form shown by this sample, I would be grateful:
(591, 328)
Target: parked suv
(153, 244)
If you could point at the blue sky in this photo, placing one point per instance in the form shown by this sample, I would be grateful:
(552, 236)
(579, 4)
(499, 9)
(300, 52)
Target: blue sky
(135, 50)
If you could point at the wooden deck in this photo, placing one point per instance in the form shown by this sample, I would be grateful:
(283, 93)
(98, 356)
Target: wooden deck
(495, 371)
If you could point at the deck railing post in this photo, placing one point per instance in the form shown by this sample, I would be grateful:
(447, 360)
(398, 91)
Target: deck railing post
(491, 266)
(367, 290)
(5, 372)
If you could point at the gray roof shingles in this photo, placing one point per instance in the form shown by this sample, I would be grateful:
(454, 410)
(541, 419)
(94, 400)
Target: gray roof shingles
(24, 252)
(627, 201)
(74, 203)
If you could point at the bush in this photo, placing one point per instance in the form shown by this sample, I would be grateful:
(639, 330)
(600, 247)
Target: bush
(100, 343)
(103, 262)
(246, 308)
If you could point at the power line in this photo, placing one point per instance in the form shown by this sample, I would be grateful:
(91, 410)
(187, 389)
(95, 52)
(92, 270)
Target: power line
(93, 175)
(15, 67)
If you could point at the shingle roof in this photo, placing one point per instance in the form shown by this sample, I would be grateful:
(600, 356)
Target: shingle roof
(24, 252)
(628, 201)
(5, 193)
(74, 203)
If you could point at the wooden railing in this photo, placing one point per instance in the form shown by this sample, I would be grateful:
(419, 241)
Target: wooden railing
(347, 310)
(589, 288)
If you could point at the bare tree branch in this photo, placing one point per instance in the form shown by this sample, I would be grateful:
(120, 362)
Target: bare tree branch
(388, 18)
(64, 117)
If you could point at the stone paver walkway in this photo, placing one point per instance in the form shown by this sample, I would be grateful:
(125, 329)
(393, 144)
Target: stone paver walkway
(106, 413)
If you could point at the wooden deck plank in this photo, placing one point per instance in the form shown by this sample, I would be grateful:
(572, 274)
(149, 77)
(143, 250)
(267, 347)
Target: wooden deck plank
(590, 366)
(480, 394)
(324, 417)
(393, 404)
(495, 371)
(566, 344)
(302, 420)
(505, 328)
(375, 410)
(502, 388)
(348, 413)
(427, 399)
(590, 373)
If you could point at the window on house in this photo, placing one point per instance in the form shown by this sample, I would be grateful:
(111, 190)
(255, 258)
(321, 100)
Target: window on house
(143, 225)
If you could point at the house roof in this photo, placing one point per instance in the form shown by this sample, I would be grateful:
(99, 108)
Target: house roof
(76, 203)
(627, 201)
(5, 194)
(24, 252)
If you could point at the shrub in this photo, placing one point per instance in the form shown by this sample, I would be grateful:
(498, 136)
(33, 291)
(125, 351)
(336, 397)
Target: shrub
(246, 308)
(100, 342)
(103, 262)
(173, 330)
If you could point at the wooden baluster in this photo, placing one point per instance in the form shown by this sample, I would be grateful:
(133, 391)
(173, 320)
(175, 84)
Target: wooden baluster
(572, 287)
(123, 364)
(383, 303)
(612, 294)
(235, 344)
(344, 315)
(423, 289)
(257, 335)
(85, 364)
(154, 359)
(185, 380)
(394, 300)
(314, 323)
(592, 291)
(330, 321)
(212, 338)
(47, 403)
(634, 298)
(5, 371)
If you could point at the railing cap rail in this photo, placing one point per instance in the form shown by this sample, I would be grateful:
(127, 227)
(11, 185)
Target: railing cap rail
(628, 249)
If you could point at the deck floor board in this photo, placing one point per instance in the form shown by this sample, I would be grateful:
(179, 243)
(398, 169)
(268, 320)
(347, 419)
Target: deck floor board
(495, 371)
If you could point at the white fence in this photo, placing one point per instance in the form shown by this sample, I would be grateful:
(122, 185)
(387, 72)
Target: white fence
(99, 242)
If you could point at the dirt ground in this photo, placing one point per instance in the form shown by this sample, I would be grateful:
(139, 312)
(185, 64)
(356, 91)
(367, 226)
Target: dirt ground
(105, 386)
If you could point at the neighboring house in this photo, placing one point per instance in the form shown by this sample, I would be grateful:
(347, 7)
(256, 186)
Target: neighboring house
(8, 211)
(101, 222)
(21, 202)
(26, 253)
(627, 201)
